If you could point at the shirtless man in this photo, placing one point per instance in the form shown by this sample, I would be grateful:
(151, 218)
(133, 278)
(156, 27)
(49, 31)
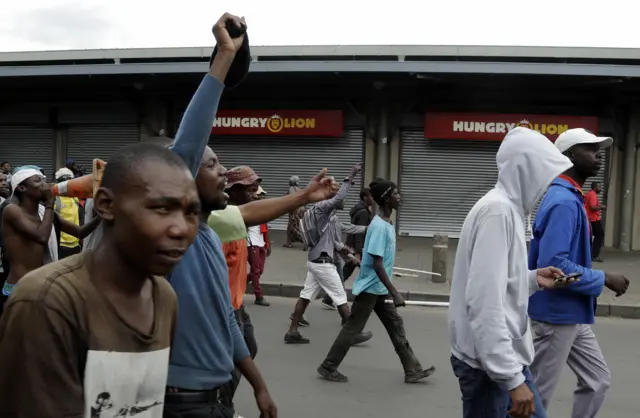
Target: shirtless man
(26, 233)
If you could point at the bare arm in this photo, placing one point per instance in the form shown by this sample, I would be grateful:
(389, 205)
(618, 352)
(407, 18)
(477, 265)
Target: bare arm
(249, 370)
(378, 267)
(263, 211)
(40, 233)
(77, 231)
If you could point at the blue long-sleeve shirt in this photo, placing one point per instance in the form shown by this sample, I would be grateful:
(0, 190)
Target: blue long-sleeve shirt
(207, 340)
(562, 239)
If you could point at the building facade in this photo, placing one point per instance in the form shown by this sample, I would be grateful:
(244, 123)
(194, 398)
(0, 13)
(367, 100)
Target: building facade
(429, 118)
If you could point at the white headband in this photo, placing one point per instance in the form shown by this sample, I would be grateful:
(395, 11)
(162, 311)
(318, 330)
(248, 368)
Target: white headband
(21, 175)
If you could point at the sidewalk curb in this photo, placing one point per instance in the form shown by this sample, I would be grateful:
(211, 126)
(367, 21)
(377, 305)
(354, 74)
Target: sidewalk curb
(287, 290)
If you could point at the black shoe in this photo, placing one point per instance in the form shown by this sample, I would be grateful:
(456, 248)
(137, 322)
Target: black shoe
(417, 376)
(302, 323)
(295, 338)
(262, 302)
(362, 337)
(328, 303)
(332, 376)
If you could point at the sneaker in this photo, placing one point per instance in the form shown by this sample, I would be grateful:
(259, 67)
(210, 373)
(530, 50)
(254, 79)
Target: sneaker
(332, 376)
(328, 303)
(598, 260)
(236, 416)
(262, 302)
(295, 338)
(417, 376)
(362, 337)
(302, 323)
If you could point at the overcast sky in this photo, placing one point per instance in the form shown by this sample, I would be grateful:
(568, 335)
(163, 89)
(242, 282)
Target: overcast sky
(71, 24)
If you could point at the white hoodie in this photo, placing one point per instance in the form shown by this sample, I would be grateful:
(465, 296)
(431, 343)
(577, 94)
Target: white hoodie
(491, 284)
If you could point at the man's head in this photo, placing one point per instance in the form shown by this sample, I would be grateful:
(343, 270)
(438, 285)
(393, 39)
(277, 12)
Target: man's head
(211, 182)
(63, 174)
(584, 149)
(242, 185)
(5, 187)
(149, 204)
(365, 197)
(28, 183)
(5, 167)
(595, 186)
(385, 193)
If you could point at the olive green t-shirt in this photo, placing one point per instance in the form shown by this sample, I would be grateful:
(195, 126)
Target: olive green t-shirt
(65, 352)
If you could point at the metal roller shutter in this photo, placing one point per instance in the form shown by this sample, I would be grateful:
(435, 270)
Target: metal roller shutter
(440, 181)
(85, 143)
(23, 145)
(275, 159)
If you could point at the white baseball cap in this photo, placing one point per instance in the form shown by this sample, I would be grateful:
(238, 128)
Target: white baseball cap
(577, 136)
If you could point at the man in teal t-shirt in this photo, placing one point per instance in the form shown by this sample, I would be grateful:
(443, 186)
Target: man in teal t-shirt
(372, 289)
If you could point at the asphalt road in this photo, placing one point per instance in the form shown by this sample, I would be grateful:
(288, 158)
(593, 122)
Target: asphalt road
(376, 387)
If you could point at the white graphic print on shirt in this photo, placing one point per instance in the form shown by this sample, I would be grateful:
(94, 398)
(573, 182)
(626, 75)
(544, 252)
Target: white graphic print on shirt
(118, 385)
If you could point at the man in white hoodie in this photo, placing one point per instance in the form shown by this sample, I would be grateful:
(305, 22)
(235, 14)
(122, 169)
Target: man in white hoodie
(491, 342)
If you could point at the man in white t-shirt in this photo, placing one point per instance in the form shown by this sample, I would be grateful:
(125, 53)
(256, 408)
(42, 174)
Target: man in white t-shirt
(259, 249)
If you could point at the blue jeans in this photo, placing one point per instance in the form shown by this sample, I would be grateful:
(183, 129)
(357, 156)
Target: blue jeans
(483, 398)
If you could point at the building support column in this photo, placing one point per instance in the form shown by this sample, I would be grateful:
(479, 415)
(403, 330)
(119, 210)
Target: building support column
(382, 146)
(628, 181)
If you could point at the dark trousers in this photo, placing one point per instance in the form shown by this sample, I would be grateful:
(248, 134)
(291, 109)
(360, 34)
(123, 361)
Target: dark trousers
(246, 327)
(64, 252)
(483, 398)
(257, 260)
(210, 404)
(598, 238)
(363, 305)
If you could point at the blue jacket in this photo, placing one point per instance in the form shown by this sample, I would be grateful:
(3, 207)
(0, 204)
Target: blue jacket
(562, 239)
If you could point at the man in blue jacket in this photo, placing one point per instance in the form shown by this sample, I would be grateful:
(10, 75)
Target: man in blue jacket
(562, 318)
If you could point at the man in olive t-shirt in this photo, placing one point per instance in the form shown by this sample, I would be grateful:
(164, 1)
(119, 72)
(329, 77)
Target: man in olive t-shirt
(91, 333)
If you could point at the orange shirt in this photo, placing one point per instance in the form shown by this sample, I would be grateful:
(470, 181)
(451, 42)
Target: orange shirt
(235, 252)
(232, 231)
(590, 201)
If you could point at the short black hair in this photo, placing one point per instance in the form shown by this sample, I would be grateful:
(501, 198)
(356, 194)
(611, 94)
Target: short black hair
(594, 185)
(381, 189)
(126, 161)
(364, 193)
(4, 162)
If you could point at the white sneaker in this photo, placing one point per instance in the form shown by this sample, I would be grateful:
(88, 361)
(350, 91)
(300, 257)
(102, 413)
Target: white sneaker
(236, 416)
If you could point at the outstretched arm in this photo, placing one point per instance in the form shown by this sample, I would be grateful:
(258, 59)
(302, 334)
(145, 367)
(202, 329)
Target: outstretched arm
(77, 231)
(195, 127)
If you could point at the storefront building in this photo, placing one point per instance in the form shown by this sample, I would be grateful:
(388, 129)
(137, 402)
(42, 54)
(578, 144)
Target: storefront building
(429, 118)
(279, 144)
(451, 163)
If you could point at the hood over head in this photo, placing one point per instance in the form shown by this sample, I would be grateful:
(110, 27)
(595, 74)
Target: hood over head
(527, 164)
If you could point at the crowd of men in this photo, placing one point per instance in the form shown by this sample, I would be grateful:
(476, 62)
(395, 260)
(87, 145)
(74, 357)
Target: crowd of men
(133, 302)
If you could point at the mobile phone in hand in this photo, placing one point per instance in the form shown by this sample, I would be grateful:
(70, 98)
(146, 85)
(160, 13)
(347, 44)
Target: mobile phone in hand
(568, 277)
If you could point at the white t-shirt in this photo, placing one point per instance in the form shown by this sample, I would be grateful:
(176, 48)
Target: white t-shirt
(255, 239)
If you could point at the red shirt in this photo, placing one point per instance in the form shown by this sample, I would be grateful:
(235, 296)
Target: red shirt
(591, 201)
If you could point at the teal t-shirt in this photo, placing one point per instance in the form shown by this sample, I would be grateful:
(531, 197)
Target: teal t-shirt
(380, 241)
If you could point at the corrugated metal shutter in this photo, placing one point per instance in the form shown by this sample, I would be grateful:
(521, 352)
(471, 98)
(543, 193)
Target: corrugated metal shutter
(85, 143)
(22, 145)
(440, 181)
(275, 159)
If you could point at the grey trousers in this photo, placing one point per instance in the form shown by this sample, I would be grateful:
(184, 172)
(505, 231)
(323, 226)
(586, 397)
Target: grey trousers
(577, 346)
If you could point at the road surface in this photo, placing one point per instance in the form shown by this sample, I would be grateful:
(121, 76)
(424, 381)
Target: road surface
(376, 387)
